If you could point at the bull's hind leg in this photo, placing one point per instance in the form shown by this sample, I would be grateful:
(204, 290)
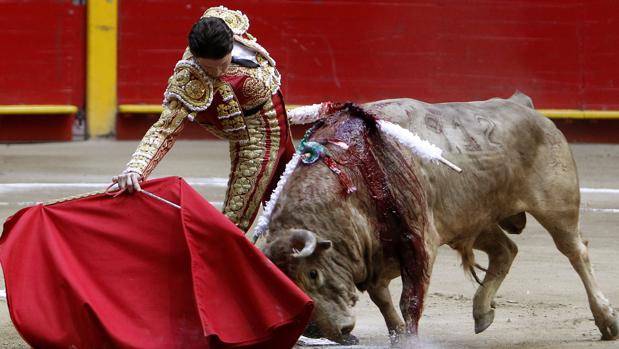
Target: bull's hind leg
(501, 252)
(563, 226)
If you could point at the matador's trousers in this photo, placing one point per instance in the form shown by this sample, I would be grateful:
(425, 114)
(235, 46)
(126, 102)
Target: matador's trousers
(258, 163)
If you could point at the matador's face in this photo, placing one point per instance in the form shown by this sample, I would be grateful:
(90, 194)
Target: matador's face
(215, 67)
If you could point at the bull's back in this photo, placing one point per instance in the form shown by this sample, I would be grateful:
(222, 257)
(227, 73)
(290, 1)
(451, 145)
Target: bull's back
(503, 147)
(462, 129)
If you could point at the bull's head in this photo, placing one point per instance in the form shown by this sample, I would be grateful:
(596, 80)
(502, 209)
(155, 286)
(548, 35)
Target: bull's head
(315, 266)
(327, 269)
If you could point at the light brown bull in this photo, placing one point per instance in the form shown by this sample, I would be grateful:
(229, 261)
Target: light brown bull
(514, 160)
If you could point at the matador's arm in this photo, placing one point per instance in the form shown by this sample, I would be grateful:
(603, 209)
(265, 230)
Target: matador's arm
(159, 139)
(189, 91)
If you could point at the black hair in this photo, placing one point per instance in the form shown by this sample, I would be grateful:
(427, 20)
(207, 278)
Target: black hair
(211, 38)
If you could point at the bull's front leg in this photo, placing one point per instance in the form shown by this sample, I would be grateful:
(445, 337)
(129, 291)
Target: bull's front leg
(379, 294)
(416, 267)
(411, 304)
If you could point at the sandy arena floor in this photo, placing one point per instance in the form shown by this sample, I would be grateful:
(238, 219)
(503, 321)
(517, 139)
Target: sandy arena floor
(542, 303)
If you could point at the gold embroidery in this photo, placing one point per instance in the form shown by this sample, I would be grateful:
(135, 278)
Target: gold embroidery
(195, 89)
(261, 83)
(228, 109)
(158, 139)
(256, 92)
(181, 77)
(230, 114)
(224, 89)
(236, 20)
(191, 86)
(249, 180)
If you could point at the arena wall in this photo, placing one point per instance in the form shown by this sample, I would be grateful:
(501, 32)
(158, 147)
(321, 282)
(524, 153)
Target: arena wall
(42, 75)
(561, 53)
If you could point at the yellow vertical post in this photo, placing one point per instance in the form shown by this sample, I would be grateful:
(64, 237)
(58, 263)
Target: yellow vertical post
(101, 97)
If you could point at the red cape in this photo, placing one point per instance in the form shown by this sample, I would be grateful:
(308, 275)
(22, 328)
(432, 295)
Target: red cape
(134, 272)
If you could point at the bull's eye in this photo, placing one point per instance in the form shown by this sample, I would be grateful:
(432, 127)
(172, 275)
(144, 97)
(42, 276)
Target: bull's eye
(313, 274)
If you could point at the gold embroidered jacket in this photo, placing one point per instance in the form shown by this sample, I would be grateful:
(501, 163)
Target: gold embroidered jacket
(218, 104)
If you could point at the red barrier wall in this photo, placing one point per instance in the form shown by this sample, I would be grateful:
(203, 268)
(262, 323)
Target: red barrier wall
(42, 62)
(561, 53)
(43, 51)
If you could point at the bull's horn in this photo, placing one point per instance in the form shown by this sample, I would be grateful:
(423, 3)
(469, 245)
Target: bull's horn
(305, 238)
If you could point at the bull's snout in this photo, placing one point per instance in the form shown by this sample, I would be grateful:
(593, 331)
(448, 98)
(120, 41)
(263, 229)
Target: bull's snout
(346, 327)
(346, 338)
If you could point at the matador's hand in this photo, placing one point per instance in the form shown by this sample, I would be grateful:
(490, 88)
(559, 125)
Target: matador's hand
(129, 180)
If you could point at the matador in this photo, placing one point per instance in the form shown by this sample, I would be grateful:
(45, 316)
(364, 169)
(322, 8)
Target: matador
(227, 83)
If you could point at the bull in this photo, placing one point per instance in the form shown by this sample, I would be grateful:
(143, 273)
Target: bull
(374, 210)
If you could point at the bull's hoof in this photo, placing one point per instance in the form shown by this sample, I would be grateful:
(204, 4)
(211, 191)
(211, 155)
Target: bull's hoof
(610, 330)
(484, 321)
